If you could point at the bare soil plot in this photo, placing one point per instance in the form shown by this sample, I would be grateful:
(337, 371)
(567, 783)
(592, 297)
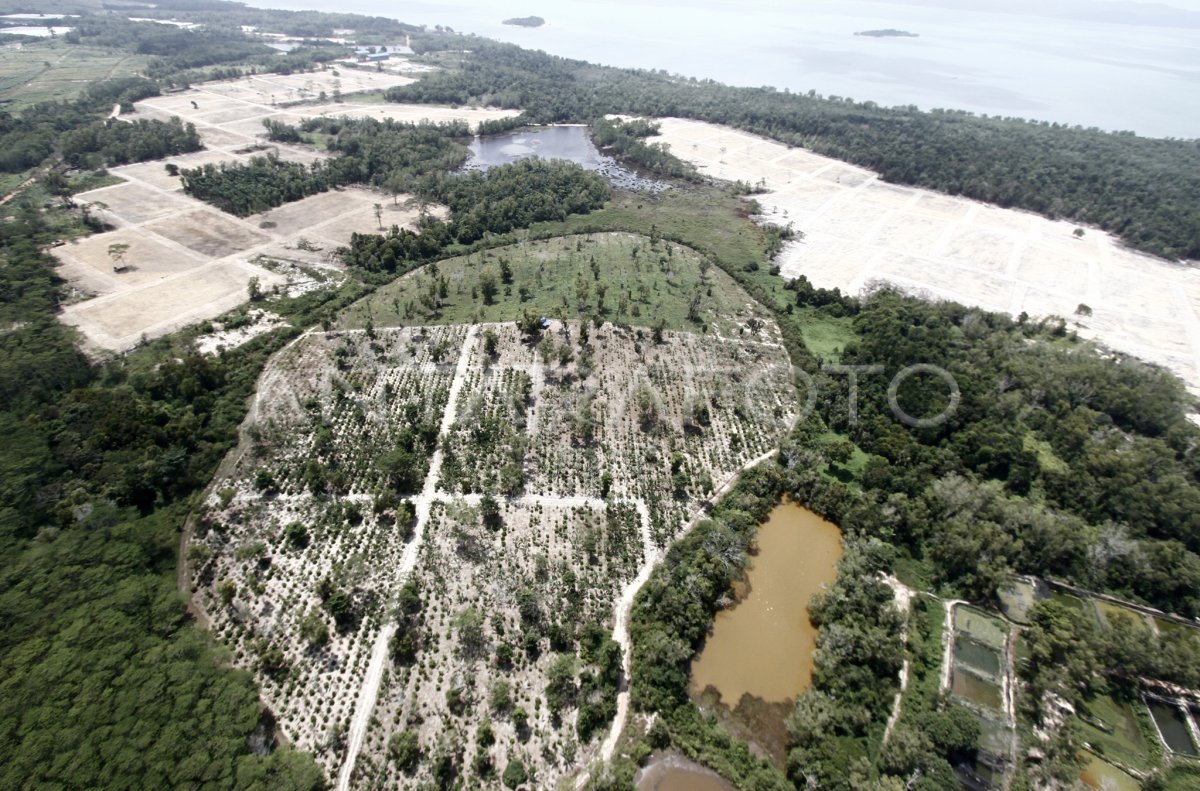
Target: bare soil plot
(208, 233)
(123, 319)
(860, 230)
(145, 260)
(135, 203)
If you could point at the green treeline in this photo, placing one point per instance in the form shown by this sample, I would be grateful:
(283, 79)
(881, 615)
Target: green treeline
(628, 139)
(262, 183)
(519, 194)
(1141, 189)
(1057, 462)
(499, 200)
(103, 681)
(27, 140)
(118, 143)
(389, 154)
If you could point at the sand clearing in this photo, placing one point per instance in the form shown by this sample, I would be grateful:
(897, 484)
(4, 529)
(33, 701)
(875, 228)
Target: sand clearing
(186, 261)
(860, 230)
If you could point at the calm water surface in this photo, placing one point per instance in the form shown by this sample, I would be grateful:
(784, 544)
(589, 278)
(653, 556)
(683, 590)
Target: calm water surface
(763, 646)
(1027, 59)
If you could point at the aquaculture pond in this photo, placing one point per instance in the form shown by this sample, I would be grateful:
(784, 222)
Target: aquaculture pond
(571, 143)
(977, 655)
(1103, 776)
(975, 689)
(1171, 724)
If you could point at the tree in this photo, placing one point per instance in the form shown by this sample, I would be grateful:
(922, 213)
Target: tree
(487, 286)
(490, 510)
(116, 252)
(515, 774)
(468, 624)
(314, 630)
(404, 750)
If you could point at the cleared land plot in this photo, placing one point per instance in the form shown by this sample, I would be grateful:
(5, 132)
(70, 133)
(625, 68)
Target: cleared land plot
(121, 320)
(54, 70)
(208, 233)
(229, 115)
(860, 230)
(135, 203)
(145, 260)
(187, 261)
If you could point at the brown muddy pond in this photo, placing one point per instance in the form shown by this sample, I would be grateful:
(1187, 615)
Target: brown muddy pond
(673, 772)
(763, 645)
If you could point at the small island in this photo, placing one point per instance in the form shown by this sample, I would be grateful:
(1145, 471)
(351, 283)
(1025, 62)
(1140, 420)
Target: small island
(888, 33)
(526, 21)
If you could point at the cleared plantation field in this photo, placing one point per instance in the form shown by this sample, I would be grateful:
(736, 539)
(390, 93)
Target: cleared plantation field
(229, 115)
(860, 230)
(428, 529)
(51, 70)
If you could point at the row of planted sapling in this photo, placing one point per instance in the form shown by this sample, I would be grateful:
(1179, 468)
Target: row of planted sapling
(514, 663)
(518, 583)
(293, 555)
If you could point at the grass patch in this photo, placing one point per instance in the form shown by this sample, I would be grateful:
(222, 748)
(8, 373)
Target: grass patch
(1048, 460)
(623, 278)
(1112, 615)
(53, 70)
(825, 336)
(1071, 602)
(92, 180)
(926, 626)
(916, 573)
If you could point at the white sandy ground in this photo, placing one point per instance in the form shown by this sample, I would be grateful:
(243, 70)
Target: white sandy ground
(860, 230)
(189, 261)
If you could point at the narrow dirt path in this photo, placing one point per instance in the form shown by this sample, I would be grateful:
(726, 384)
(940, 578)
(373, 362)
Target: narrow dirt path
(947, 645)
(369, 690)
(625, 608)
(904, 596)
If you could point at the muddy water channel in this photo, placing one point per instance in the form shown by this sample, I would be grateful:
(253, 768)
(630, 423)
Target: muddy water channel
(759, 655)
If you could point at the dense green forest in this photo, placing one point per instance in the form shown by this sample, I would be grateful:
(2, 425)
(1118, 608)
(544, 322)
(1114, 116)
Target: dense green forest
(1141, 189)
